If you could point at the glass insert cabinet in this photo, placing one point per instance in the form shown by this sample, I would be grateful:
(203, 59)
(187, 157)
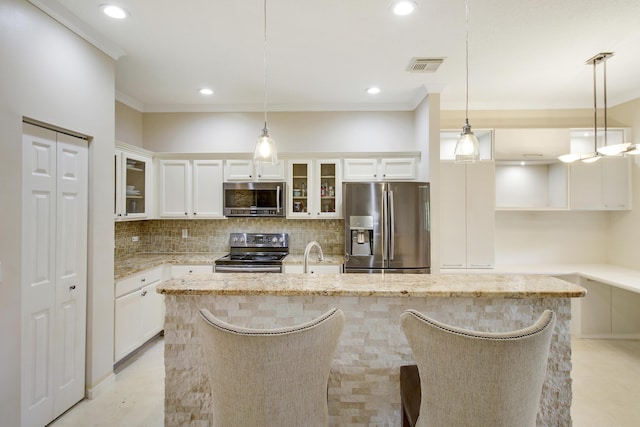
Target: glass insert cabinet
(132, 183)
(315, 189)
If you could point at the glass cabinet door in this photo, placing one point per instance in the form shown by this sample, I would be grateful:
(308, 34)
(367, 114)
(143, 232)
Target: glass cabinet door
(300, 188)
(329, 189)
(135, 185)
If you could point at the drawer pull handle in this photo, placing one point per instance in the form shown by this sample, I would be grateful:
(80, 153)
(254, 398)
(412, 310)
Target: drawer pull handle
(72, 287)
(144, 293)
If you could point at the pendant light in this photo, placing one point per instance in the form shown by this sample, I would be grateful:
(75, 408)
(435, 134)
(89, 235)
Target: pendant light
(265, 151)
(467, 148)
(605, 149)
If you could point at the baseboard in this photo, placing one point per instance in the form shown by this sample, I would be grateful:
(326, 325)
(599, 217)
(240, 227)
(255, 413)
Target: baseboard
(99, 388)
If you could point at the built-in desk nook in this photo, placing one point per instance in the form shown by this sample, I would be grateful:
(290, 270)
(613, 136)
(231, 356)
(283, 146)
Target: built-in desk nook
(364, 387)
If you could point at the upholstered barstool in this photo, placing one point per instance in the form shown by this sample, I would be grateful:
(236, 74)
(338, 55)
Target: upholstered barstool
(269, 377)
(477, 379)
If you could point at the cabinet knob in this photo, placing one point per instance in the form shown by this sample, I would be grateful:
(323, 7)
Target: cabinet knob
(143, 280)
(72, 287)
(195, 213)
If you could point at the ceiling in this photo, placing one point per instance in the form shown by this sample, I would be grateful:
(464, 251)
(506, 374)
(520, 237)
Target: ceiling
(323, 54)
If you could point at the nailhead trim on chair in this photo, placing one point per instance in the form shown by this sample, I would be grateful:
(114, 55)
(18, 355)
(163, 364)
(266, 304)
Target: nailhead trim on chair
(267, 332)
(480, 335)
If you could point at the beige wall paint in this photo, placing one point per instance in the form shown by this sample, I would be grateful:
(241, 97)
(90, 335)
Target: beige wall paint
(51, 75)
(624, 227)
(128, 125)
(294, 132)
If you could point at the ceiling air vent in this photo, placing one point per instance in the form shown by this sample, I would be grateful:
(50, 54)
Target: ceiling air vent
(424, 65)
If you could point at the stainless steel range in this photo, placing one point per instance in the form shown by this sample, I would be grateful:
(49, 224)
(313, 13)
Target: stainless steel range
(254, 253)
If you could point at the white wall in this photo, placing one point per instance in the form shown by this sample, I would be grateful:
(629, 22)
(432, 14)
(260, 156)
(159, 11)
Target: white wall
(624, 227)
(128, 125)
(293, 132)
(50, 75)
(551, 237)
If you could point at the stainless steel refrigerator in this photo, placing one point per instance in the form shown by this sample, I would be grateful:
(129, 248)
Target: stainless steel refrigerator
(387, 227)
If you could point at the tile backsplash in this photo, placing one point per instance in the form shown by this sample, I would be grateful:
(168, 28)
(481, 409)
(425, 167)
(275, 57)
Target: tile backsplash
(213, 235)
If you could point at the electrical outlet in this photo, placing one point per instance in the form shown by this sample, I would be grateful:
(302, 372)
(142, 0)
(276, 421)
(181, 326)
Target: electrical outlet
(135, 238)
(185, 233)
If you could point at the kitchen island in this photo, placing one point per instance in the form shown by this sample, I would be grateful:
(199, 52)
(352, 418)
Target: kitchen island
(364, 379)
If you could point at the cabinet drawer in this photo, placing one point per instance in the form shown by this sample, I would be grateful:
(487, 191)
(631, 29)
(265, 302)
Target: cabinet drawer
(137, 281)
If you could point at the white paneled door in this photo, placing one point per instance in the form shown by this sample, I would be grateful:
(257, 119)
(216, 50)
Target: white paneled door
(54, 288)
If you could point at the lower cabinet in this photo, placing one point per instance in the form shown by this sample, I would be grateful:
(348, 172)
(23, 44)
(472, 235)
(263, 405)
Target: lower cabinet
(313, 269)
(139, 311)
(605, 312)
(180, 270)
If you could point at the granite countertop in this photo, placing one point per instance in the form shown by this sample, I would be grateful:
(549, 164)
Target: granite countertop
(141, 262)
(383, 285)
(296, 259)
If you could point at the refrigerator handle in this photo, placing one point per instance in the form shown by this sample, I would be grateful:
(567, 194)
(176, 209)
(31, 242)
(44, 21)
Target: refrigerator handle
(392, 241)
(385, 227)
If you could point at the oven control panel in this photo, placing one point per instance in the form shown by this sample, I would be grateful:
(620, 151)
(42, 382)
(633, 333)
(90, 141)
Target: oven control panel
(259, 240)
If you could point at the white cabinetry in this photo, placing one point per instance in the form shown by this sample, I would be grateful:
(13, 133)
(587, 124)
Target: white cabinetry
(531, 144)
(191, 188)
(315, 189)
(245, 170)
(180, 270)
(133, 185)
(384, 169)
(606, 312)
(468, 215)
(139, 311)
(313, 269)
(601, 185)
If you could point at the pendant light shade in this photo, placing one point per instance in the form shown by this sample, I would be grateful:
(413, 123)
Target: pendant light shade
(265, 151)
(467, 148)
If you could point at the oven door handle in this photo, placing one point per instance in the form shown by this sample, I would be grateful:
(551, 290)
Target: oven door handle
(245, 269)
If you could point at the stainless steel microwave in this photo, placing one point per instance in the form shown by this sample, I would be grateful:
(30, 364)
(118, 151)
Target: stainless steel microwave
(254, 198)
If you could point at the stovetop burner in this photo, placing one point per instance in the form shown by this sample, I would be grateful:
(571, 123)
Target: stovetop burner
(254, 252)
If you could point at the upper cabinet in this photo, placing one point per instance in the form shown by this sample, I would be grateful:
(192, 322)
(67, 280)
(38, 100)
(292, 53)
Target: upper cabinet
(380, 169)
(133, 185)
(246, 170)
(531, 144)
(448, 139)
(602, 185)
(315, 189)
(190, 188)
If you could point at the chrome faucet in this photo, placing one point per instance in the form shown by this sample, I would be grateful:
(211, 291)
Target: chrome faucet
(307, 250)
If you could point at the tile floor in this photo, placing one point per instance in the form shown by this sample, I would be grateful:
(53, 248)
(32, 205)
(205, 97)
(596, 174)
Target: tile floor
(606, 389)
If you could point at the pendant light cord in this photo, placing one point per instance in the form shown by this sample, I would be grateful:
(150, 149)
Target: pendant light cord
(265, 64)
(466, 47)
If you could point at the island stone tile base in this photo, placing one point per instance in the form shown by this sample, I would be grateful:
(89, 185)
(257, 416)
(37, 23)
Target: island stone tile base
(364, 387)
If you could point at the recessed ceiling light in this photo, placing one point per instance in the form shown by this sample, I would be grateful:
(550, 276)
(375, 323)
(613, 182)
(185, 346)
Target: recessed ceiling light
(404, 7)
(373, 90)
(206, 91)
(113, 11)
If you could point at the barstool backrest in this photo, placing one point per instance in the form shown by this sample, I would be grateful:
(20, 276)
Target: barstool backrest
(269, 377)
(481, 379)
